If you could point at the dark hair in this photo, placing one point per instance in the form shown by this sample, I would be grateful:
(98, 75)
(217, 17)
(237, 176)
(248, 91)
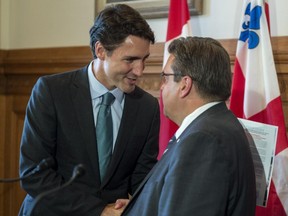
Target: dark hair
(115, 23)
(206, 62)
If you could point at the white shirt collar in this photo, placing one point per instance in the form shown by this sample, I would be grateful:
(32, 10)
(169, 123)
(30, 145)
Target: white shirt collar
(192, 116)
(97, 89)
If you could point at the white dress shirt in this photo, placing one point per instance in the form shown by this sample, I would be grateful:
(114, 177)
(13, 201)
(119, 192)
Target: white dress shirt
(97, 90)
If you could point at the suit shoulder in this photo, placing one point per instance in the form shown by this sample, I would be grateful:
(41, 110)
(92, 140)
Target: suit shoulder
(60, 82)
(64, 75)
(139, 92)
(62, 78)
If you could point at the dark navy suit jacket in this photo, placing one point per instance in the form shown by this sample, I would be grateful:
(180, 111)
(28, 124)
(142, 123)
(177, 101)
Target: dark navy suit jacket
(59, 124)
(207, 172)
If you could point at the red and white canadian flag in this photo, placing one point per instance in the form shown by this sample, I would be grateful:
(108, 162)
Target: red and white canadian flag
(256, 96)
(178, 25)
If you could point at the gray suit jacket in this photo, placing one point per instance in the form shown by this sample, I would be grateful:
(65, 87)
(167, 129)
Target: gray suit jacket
(59, 124)
(208, 172)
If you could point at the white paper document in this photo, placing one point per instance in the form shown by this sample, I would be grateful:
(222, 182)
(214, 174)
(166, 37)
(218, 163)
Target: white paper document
(262, 140)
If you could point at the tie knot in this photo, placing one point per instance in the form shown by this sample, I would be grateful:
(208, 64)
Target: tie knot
(107, 99)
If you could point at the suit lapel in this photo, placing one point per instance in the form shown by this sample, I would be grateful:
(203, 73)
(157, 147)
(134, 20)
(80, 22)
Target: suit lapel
(81, 98)
(139, 189)
(131, 107)
(162, 163)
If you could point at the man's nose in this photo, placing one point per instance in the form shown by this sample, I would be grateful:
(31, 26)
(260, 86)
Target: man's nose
(138, 68)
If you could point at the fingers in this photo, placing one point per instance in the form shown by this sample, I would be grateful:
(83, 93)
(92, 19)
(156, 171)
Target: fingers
(121, 203)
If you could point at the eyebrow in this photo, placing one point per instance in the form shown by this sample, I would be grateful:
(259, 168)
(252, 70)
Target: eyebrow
(136, 57)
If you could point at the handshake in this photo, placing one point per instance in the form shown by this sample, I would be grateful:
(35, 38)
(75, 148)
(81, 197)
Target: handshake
(115, 209)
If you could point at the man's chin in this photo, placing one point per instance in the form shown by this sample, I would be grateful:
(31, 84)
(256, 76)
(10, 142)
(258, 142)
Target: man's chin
(128, 89)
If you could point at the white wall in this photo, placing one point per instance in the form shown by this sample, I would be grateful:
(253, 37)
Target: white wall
(58, 23)
(49, 23)
(4, 23)
(221, 20)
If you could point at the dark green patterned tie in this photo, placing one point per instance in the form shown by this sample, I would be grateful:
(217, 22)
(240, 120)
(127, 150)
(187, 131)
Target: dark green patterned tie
(104, 133)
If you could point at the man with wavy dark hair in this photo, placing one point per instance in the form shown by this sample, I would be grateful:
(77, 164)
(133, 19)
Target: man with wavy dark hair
(61, 118)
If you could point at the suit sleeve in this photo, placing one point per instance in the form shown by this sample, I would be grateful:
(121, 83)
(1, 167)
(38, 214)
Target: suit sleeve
(39, 141)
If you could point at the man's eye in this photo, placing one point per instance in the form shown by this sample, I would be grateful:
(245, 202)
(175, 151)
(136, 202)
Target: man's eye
(129, 60)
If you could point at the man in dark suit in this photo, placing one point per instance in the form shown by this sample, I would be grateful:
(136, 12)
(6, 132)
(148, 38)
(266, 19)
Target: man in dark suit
(61, 118)
(207, 168)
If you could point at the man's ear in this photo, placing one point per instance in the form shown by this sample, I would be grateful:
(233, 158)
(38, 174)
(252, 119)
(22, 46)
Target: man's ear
(99, 51)
(185, 86)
